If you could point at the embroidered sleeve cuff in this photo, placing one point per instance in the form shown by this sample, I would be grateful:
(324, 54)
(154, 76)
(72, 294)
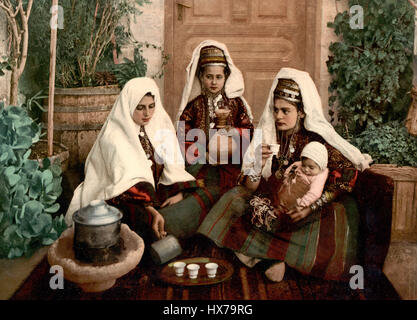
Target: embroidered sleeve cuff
(142, 192)
(326, 198)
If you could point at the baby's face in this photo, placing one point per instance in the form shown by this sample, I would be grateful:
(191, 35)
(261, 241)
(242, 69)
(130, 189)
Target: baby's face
(310, 167)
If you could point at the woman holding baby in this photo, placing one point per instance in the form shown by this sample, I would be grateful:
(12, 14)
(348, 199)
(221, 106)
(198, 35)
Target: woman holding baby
(316, 235)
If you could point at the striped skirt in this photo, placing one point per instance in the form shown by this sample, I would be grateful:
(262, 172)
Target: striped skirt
(325, 247)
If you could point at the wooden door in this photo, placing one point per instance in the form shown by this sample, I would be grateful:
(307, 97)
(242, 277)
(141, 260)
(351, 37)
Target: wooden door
(262, 36)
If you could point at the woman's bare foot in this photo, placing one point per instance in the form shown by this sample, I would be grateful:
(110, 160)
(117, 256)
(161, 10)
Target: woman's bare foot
(276, 272)
(247, 261)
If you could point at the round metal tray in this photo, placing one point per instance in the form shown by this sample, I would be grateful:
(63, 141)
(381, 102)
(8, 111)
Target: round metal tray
(224, 272)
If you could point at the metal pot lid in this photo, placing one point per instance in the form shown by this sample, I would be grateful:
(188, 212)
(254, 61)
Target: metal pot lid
(97, 213)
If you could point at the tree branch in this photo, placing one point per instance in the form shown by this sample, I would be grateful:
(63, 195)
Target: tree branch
(354, 47)
(25, 19)
(8, 9)
(15, 34)
(100, 41)
(19, 38)
(19, 8)
(29, 8)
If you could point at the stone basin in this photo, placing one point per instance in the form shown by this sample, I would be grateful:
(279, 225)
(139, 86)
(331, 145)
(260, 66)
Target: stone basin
(96, 278)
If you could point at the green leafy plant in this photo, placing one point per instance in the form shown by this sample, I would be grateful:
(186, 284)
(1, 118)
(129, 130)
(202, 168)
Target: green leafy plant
(84, 43)
(5, 65)
(138, 67)
(35, 101)
(28, 190)
(130, 69)
(371, 67)
(388, 143)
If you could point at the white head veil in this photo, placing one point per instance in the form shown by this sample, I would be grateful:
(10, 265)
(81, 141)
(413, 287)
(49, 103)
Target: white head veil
(234, 86)
(314, 121)
(117, 160)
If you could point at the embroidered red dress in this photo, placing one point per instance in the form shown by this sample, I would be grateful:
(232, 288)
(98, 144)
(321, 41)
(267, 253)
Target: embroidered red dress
(196, 115)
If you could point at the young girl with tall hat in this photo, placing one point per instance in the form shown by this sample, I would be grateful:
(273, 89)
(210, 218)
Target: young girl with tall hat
(214, 152)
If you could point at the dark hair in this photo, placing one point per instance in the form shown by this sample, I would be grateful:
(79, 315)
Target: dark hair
(201, 71)
(149, 94)
(298, 105)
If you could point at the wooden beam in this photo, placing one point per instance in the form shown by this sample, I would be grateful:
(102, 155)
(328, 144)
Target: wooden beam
(52, 64)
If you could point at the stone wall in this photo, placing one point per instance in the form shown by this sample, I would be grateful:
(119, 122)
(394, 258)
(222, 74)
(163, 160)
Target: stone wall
(329, 11)
(149, 27)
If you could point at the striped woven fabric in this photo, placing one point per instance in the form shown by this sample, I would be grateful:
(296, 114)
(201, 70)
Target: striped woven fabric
(325, 247)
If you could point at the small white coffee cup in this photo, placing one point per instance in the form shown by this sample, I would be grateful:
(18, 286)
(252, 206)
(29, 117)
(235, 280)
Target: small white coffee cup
(179, 268)
(211, 269)
(193, 270)
(274, 147)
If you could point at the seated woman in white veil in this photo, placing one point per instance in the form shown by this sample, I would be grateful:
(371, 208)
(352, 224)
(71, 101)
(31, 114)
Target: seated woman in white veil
(136, 164)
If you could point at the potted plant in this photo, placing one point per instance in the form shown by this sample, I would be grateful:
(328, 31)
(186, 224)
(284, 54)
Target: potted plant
(28, 190)
(372, 77)
(39, 148)
(18, 14)
(87, 46)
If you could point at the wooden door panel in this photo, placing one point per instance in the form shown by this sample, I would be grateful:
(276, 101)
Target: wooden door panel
(257, 89)
(207, 12)
(262, 36)
(261, 52)
(254, 53)
(240, 10)
(271, 12)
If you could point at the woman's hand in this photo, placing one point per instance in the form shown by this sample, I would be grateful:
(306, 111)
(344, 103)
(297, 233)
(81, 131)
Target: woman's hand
(158, 223)
(172, 200)
(266, 153)
(298, 214)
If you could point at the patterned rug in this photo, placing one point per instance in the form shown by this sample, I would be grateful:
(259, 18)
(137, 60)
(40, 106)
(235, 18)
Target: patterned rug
(143, 283)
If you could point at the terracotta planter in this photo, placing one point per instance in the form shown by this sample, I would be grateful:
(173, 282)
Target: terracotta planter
(404, 222)
(79, 114)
